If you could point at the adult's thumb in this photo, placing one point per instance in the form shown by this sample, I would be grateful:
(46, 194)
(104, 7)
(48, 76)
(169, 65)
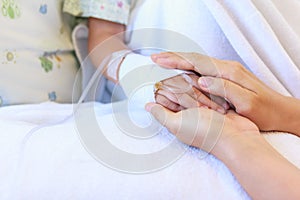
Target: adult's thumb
(163, 115)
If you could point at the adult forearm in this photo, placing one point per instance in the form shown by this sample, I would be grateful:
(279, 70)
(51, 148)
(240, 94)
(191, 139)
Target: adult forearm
(289, 118)
(259, 168)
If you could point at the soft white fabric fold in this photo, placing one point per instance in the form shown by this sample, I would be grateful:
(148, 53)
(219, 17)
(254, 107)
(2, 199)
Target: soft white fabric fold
(53, 163)
(258, 32)
(262, 35)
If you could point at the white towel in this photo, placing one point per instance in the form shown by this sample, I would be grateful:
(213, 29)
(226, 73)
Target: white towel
(55, 165)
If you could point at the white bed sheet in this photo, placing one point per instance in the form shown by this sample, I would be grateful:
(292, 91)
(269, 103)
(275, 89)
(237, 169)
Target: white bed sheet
(53, 164)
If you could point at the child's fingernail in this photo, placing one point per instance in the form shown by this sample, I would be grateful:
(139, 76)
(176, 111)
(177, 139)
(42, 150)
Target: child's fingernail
(225, 105)
(221, 110)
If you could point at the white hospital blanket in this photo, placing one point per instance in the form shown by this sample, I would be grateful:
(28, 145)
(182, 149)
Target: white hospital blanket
(53, 164)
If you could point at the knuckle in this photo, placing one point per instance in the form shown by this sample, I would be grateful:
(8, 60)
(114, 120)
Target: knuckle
(225, 84)
(222, 87)
(179, 96)
(236, 69)
(248, 107)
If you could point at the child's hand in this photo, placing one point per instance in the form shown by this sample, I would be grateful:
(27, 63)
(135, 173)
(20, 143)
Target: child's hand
(182, 91)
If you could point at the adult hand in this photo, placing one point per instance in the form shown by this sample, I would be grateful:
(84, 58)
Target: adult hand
(202, 127)
(182, 91)
(230, 80)
(236, 141)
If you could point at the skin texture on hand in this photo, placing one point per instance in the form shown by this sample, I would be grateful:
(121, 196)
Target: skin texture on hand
(182, 91)
(250, 97)
(260, 169)
(201, 127)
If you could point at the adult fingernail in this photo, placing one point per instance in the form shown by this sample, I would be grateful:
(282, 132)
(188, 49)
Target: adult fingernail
(205, 82)
(149, 106)
(153, 55)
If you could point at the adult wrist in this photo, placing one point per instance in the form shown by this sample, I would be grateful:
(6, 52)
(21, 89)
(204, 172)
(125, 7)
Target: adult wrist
(289, 115)
(232, 145)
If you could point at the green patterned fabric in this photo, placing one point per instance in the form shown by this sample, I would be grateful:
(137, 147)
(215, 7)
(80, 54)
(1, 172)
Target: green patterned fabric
(37, 62)
(111, 10)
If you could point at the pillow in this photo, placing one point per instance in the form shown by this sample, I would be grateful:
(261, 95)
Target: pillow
(37, 62)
